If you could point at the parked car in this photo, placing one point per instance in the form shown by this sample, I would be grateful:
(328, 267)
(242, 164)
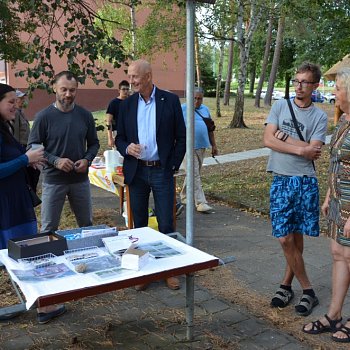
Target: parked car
(317, 96)
(276, 95)
(263, 94)
(330, 98)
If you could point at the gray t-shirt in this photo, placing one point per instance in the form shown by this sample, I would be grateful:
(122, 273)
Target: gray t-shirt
(312, 123)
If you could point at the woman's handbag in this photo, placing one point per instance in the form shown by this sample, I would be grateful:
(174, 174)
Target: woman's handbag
(208, 122)
(30, 182)
(34, 197)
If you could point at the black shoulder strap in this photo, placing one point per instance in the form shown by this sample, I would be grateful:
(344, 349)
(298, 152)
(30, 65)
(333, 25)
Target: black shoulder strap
(200, 114)
(295, 122)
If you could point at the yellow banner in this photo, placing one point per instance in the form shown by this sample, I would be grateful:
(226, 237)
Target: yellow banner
(103, 179)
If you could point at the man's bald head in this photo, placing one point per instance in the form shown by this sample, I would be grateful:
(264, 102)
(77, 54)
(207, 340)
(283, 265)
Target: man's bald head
(140, 77)
(141, 65)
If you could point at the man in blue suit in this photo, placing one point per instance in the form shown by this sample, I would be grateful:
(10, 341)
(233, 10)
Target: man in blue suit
(152, 138)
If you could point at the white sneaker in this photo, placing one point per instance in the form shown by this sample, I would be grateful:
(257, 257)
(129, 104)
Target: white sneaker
(203, 207)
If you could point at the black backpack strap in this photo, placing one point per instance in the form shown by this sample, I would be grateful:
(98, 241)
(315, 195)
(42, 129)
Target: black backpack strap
(295, 122)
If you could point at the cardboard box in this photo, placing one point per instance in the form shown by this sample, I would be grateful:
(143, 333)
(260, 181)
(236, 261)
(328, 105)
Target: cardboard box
(42, 243)
(134, 259)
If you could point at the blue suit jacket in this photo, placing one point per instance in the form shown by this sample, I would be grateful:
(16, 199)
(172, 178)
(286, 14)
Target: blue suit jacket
(170, 132)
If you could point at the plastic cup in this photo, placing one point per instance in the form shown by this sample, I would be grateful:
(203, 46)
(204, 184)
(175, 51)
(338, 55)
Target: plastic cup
(36, 146)
(143, 151)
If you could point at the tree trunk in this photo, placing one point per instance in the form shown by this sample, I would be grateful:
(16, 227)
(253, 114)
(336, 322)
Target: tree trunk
(196, 55)
(219, 77)
(276, 59)
(244, 40)
(288, 78)
(265, 62)
(229, 73)
(237, 120)
(252, 77)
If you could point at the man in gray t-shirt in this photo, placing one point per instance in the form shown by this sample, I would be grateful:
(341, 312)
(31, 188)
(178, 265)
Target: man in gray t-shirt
(68, 133)
(294, 198)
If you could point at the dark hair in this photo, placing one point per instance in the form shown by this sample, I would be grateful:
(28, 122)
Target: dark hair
(4, 127)
(310, 67)
(124, 83)
(69, 75)
(4, 89)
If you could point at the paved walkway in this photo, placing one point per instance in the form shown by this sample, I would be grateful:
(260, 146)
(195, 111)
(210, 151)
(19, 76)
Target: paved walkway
(245, 155)
(155, 319)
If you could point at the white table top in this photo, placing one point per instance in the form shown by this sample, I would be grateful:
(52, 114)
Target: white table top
(34, 290)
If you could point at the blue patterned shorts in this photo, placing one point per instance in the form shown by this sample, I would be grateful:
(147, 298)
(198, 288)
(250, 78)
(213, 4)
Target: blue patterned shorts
(294, 206)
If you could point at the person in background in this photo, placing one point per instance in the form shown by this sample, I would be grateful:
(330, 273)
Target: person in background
(113, 110)
(21, 128)
(336, 208)
(202, 140)
(294, 196)
(151, 136)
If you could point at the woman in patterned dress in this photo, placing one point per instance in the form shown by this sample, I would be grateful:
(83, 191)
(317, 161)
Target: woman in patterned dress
(336, 208)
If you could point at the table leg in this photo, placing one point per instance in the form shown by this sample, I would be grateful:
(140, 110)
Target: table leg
(189, 305)
(174, 207)
(121, 198)
(128, 208)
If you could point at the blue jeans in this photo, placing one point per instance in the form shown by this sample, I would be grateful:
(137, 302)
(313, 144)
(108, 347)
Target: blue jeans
(162, 186)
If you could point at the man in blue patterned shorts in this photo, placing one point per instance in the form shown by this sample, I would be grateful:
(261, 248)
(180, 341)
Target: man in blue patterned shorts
(294, 198)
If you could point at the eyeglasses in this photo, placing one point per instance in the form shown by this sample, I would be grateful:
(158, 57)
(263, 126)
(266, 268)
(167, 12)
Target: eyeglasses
(198, 98)
(303, 84)
(125, 89)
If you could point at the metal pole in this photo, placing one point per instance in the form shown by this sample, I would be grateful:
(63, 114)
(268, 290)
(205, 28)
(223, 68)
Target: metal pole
(190, 18)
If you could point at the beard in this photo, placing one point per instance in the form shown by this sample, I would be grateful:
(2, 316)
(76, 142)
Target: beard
(66, 104)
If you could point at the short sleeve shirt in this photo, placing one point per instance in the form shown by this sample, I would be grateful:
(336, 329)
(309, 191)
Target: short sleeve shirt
(201, 137)
(113, 109)
(312, 123)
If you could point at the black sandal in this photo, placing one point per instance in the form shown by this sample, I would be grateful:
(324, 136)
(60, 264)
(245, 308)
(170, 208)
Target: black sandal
(283, 295)
(318, 327)
(346, 331)
(308, 302)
